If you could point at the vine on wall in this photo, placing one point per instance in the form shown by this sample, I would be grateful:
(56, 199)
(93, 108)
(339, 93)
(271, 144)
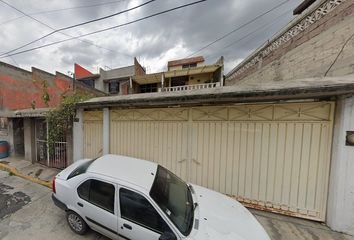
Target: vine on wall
(60, 120)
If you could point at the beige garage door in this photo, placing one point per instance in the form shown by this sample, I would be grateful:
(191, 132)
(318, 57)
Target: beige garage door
(93, 128)
(273, 157)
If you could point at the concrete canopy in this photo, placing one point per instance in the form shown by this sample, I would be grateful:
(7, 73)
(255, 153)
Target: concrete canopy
(148, 78)
(192, 71)
(242, 93)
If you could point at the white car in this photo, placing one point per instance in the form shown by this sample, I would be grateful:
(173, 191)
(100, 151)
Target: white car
(127, 198)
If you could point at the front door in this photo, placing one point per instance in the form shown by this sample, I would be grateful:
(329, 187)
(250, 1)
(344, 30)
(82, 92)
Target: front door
(96, 204)
(138, 218)
(19, 145)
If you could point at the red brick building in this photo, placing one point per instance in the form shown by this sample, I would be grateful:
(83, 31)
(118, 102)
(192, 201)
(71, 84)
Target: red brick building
(25, 97)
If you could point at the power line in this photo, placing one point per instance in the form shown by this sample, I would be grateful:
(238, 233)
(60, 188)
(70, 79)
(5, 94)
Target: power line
(82, 40)
(238, 28)
(107, 29)
(63, 9)
(263, 27)
(66, 28)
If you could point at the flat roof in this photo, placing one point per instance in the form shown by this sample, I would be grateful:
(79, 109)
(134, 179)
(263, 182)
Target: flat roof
(183, 61)
(37, 112)
(240, 93)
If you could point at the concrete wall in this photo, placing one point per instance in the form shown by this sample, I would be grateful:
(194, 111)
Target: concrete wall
(78, 137)
(29, 139)
(179, 67)
(119, 73)
(340, 209)
(310, 53)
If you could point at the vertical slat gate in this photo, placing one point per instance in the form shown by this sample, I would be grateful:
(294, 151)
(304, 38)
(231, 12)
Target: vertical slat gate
(268, 156)
(93, 134)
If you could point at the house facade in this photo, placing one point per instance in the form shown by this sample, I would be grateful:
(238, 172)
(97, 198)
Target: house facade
(277, 137)
(183, 74)
(25, 98)
(116, 81)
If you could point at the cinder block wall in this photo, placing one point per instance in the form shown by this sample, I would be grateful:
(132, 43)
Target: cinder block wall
(310, 53)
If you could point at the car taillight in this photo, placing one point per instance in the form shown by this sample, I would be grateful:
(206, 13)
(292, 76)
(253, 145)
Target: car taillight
(53, 185)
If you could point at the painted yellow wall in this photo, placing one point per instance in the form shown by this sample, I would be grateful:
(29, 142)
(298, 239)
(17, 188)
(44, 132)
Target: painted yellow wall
(200, 78)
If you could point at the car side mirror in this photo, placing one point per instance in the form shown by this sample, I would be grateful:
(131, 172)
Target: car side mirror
(167, 236)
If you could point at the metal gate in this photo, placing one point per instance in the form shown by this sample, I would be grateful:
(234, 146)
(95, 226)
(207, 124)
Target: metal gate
(56, 159)
(269, 156)
(93, 134)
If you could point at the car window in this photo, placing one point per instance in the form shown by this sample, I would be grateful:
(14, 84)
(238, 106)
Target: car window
(80, 169)
(98, 193)
(136, 208)
(84, 190)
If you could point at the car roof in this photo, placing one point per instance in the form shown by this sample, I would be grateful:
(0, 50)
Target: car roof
(128, 169)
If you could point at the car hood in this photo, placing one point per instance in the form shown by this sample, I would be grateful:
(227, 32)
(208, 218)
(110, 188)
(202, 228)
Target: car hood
(221, 217)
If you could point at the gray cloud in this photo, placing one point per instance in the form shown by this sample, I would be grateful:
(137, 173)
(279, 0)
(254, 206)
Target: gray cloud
(154, 41)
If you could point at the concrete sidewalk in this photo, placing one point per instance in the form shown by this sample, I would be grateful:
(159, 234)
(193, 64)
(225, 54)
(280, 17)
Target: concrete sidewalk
(33, 172)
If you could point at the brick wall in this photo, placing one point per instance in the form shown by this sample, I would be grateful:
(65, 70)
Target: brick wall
(139, 70)
(310, 53)
(20, 89)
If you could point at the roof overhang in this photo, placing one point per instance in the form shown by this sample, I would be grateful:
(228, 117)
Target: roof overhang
(93, 76)
(148, 78)
(116, 79)
(312, 88)
(26, 113)
(192, 71)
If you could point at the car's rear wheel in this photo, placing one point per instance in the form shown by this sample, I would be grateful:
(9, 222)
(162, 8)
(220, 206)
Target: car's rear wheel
(76, 223)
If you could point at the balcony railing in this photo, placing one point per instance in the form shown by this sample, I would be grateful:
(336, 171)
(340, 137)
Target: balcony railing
(190, 87)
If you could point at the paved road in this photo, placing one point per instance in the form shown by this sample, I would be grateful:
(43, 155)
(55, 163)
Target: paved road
(27, 213)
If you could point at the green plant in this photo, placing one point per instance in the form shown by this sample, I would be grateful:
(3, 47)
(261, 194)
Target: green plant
(60, 119)
(45, 96)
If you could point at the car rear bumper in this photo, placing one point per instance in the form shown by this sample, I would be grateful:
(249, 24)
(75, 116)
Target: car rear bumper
(58, 203)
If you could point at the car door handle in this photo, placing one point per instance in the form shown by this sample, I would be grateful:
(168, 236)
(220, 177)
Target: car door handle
(80, 204)
(127, 226)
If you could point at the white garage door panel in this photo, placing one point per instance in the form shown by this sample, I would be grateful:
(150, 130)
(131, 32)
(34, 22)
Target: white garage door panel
(269, 156)
(161, 141)
(278, 165)
(93, 134)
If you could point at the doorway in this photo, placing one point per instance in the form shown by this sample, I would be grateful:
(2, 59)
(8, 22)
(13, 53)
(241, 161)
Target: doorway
(18, 134)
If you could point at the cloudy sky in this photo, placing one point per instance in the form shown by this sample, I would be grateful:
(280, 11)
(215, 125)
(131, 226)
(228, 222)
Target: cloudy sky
(154, 41)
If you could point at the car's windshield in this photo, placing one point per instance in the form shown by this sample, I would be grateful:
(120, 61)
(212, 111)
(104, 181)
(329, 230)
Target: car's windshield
(174, 198)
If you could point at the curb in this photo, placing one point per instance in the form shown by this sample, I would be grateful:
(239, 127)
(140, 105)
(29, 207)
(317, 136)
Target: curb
(15, 172)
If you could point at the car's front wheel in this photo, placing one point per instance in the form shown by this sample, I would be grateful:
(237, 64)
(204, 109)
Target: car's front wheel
(76, 223)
